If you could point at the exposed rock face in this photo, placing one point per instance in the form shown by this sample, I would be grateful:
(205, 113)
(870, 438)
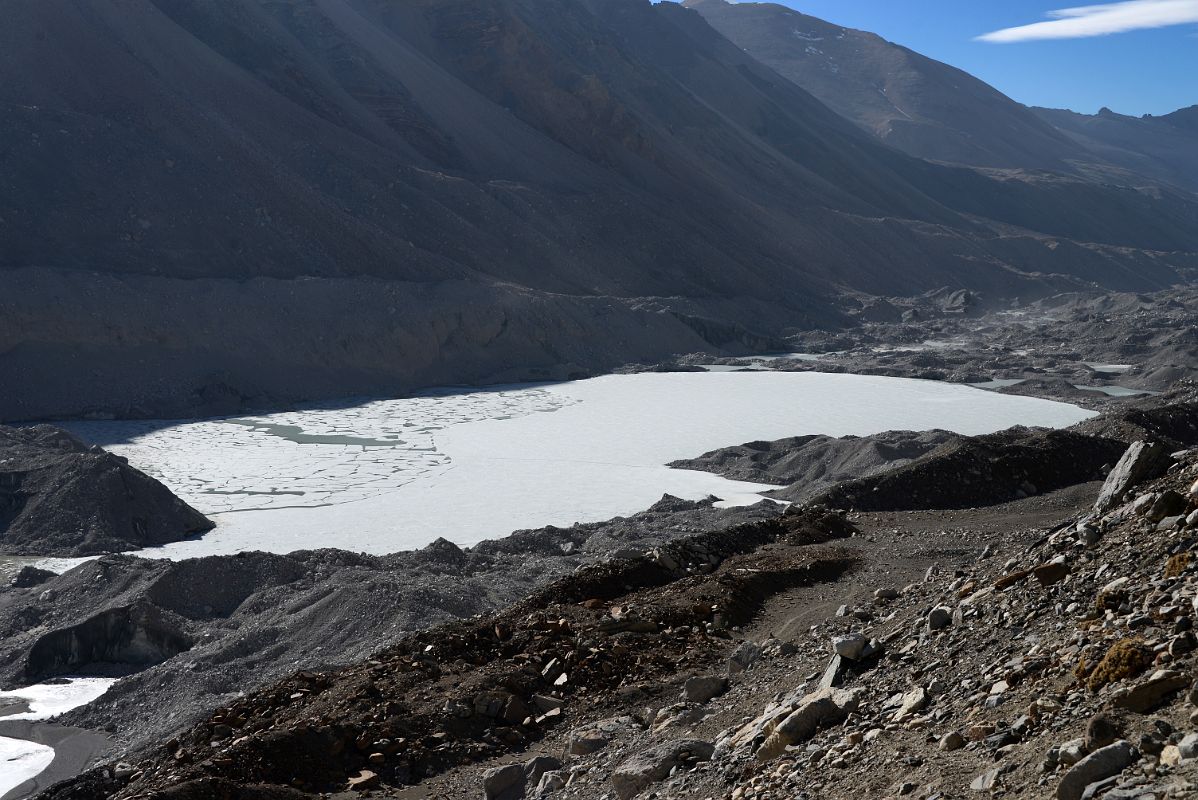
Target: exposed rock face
(60, 497)
(133, 636)
(811, 464)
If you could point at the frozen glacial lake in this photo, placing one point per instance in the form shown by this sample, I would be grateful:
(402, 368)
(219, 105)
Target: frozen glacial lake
(49, 700)
(22, 760)
(390, 475)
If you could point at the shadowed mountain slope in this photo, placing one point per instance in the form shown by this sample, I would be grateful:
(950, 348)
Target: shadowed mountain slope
(1165, 147)
(921, 106)
(935, 111)
(209, 205)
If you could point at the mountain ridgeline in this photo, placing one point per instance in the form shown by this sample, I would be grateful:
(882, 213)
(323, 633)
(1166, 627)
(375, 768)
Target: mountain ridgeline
(935, 111)
(213, 205)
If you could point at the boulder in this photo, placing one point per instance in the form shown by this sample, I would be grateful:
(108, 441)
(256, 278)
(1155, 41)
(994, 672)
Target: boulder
(655, 764)
(1072, 752)
(504, 783)
(986, 781)
(536, 767)
(551, 782)
(702, 688)
(1012, 578)
(1051, 573)
(1151, 693)
(913, 701)
(1188, 746)
(1167, 504)
(831, 676)
(849, 646)
(1099, 765)
(363, 780)
(1142, 461)
(951, 741)
(744, 656)
(825, 707)
(939, 617)
(594, 737)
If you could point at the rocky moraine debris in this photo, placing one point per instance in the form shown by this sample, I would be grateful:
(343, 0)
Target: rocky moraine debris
(485, 688)
(1092, 349)
(60, 497)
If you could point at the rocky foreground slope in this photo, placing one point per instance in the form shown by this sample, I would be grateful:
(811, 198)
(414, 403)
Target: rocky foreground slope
(60, 497)
(1034, 648)
(190, 635)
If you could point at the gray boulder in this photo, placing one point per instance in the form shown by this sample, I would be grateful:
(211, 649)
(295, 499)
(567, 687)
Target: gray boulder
(940, 617)
(504, 783)
(535, 768)
(1099, 765)
(1142, 461)
(850, 646)
(744, 656)
(655, 764)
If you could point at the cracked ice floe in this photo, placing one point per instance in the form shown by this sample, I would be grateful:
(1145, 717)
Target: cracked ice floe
(478, 465)
(266, 462)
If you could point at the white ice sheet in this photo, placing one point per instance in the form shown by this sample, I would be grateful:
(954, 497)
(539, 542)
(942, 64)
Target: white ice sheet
(21, 761)
(48, 700)
(479, 465)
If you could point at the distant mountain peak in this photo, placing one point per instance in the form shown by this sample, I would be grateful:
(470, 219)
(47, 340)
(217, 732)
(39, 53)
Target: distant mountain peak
(921, 106)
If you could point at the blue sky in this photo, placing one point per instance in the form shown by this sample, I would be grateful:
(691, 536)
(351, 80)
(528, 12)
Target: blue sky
(1129, 68)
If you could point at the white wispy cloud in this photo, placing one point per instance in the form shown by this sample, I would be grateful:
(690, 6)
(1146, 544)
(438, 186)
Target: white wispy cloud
(1101, 20)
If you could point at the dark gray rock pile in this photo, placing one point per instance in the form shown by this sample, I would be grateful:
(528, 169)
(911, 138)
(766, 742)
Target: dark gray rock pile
(812, 464)
(60, 497)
